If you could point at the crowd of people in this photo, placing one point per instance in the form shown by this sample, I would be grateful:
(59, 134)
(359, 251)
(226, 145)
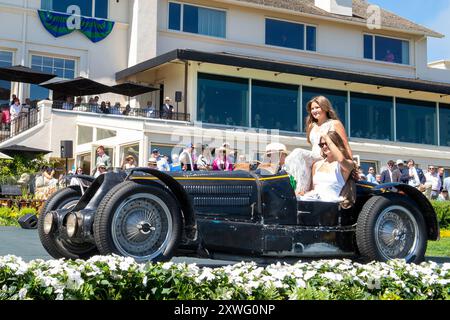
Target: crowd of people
(12, 111)
(105, 107)
(433, 183)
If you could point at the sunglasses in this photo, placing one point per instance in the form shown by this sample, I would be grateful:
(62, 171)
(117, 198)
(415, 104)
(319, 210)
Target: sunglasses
(321, 145)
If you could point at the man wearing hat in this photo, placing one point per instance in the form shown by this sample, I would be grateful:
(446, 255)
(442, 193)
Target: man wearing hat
(167, 109)
(277, 152)
(404, 172)
(101, 169)
(152, 163)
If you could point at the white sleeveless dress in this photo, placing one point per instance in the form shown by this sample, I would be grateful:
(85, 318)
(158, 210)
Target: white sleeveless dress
(299, 162)
(328, 185)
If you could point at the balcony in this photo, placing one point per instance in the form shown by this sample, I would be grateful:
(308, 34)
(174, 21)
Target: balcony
(26, 120)
(123, 111)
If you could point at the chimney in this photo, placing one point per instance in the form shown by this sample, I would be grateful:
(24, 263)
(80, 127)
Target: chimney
(342, 7)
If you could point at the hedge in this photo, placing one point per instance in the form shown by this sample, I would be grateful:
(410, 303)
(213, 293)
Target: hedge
(114, 277)
(442, 209)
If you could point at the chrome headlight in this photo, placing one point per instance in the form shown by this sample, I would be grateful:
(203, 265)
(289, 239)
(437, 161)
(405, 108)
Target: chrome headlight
(72, 225)
(48, 222)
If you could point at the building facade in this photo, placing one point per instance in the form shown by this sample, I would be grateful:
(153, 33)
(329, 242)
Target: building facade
(244, 71)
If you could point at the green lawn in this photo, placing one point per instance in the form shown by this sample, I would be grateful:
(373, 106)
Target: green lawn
(439, 248)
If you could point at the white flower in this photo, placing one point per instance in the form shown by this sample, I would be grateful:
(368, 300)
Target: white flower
(23, 293)
(309, 274)
(74, 281)
(206, 274)
(167, 265)
(332, 276)
(144, 281)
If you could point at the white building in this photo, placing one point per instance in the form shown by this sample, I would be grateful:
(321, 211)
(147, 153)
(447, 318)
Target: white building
(242, 67)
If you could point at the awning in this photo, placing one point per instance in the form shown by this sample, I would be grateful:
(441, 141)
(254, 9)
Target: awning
(240, 61)
(77, 87)
(23, 150)
(131, 89)
(24, 75)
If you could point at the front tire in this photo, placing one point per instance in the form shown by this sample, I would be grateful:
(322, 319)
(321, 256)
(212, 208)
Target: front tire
(139, 221)
(391, 227)
(57, 247)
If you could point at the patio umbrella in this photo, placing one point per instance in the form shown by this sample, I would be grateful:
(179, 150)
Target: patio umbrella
(131, 89)
(23, 150)
(77, 87)
(24, 75)
(4, 156)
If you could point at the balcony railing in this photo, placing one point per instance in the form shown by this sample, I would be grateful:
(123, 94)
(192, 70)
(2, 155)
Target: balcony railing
(26, 120)
(123, 111)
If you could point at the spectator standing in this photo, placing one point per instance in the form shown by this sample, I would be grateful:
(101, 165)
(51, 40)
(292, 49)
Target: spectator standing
(156, 154)
(416, 176)
(163, 163)
(404, 173)
(433, 183)
(14, 112)
(204, 159)
(167, 109)
(101, 169)
(222, 162)
(378, 178)
(68, 104)
(129, 163)
(152, 163)
(391, 174)
(150, 110)
(6, 118)
(102, 157)
(447, 184)
(186, 158)
(371, 176)
(175, 166)
(127, 110)
(441, 173)
(14, 97)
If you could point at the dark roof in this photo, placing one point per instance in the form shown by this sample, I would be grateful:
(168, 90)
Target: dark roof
(360, 14)
(24, 75)
(288, 68)
(77, 87)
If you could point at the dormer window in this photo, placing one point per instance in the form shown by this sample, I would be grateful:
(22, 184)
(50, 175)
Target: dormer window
(290, 35)
(386, 49)
(195, 19)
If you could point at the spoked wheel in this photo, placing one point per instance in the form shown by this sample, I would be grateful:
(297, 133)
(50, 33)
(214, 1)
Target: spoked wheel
(142, 222)
(55, 245)
(391, 227)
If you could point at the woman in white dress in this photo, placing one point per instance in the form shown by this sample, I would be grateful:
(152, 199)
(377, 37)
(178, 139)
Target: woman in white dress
(331, 173)
(322, 118)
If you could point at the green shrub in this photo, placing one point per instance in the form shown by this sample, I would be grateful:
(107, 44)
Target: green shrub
(10, 216)
(442, 209)
(25, 211)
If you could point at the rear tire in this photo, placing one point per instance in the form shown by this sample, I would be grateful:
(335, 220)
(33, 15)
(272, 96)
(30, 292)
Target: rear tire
(56, 246)
(140, 221)
(391, 227)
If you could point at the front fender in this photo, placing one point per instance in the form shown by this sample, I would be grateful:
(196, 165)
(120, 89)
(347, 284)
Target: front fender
(422, 202)
(179, 192)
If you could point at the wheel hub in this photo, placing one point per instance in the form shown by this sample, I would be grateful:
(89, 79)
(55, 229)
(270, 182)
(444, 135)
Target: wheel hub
(145, 227)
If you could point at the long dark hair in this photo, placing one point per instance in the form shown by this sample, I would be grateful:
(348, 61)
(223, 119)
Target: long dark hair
(339, 143)
(325, 105)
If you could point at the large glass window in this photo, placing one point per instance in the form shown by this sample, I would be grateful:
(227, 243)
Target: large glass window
(63, 68)
(274, 106)
(200, 20)
(372, 116)
(416, 121)
(386, 49)
(222, 100)
(290, 35)
(130, 150)
(86, 7)
(105, 134)
(338, 99)
(85, 135)
(444, 119)
(6, 58)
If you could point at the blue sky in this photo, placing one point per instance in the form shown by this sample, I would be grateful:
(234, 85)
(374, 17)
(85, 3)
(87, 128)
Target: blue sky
(434, 14)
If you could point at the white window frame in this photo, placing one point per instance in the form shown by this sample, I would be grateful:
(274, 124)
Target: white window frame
(198, 6)
(373, 35)
(304, 34)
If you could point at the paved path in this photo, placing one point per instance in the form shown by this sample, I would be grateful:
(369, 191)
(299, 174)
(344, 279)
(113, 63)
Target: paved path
(26, 244)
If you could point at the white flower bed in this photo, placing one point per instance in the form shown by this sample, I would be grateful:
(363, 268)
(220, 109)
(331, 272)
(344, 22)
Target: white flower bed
(115, 277)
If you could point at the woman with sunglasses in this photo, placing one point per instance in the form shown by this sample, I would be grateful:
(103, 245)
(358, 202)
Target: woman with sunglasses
(332, 172)
(321, 119)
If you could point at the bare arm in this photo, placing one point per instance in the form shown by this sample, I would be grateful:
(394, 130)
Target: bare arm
(339, 127)
(347, 165)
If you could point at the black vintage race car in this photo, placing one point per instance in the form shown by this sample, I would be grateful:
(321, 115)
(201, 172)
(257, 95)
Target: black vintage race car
(241, 215)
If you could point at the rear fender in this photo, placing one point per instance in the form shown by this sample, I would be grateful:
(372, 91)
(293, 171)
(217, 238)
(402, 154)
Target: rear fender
(424, 205)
